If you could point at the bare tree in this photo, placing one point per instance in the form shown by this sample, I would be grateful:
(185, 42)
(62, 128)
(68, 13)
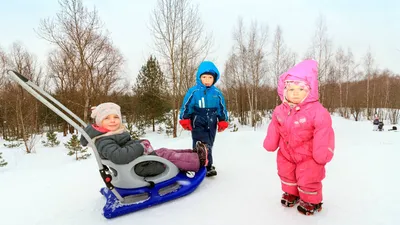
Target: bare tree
(3, 96)
(179, 39)
(321, 50)
(344, 67)
(3, 64)
(282, 58)
(393, 83)
(387, 76)
(248, 67)
(85, 55)
(349, 75)
(368, 67)
(231, 84)
(340, 61)
(26, 107)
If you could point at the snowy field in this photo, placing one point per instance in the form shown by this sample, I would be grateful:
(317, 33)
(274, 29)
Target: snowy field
(361, 184)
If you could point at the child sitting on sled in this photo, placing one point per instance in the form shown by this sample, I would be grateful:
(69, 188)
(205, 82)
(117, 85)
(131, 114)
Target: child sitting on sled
(113, 142)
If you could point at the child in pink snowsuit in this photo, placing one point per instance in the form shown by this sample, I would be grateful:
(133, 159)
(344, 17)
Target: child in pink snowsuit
(302, 130)
(114, 143)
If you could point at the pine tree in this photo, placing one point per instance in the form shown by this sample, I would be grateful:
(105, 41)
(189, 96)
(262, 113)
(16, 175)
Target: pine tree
(76, 149)
(51, 139)
(2, 161)
(150, 88)
(12, 142)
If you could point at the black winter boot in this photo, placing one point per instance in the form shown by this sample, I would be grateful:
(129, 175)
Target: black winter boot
(309, 208)
(211, 171)
(202, 151)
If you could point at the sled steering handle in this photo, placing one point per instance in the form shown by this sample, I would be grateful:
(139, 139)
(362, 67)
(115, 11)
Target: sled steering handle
(22, 77)
(37, 92)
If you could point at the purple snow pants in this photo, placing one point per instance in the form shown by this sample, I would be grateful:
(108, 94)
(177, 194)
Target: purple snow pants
(184, 159)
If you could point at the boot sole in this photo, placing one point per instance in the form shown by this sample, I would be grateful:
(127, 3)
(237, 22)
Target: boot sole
(288, 204)
(308, 213)
(211, 174)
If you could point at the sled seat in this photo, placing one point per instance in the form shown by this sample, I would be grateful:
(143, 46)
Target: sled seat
(130, 175)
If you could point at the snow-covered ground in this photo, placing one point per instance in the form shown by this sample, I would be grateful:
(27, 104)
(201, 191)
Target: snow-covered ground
(361, 187)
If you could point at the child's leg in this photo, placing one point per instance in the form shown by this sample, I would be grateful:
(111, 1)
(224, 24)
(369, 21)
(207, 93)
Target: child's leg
(209, 157)
(187, 161)
(203, 136)
(309, 176)
(178, 150)
(287, 173)
(211, 138)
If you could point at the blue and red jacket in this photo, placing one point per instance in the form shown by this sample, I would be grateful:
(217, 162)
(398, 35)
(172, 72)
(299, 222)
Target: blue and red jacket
(199, 99)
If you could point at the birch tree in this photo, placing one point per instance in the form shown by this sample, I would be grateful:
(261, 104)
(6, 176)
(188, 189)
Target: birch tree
(321, 50)
(369, 70)
(26, 107)
(281, 58)
(180, 40)
(249, 66)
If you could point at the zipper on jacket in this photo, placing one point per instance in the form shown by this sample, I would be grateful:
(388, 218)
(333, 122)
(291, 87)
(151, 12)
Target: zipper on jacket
(290, 110)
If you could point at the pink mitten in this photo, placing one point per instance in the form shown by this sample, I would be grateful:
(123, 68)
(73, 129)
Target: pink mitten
(147, 146)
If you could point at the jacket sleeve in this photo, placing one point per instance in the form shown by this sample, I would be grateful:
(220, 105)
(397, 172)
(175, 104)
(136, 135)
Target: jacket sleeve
(271, 141)
(91, 132)
(83, 141)
(324, 138)
(187, 104)
(222, 112)
(109, 149)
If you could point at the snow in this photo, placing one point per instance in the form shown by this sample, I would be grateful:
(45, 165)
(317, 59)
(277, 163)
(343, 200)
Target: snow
(48, 187)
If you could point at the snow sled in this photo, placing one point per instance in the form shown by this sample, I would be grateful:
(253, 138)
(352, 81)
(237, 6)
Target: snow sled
(126, 190)
(140, 192)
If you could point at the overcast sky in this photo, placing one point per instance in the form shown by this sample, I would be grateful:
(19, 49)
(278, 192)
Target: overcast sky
(354, 24)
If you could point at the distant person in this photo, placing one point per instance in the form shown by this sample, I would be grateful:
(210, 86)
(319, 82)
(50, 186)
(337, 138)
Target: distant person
(380, 126)
(375, 123)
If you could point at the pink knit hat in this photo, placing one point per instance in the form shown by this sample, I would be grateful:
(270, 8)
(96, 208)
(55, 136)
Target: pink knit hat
(300, 83)
(103, 110)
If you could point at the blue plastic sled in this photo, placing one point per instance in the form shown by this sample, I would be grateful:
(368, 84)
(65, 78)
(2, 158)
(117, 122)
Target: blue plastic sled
(168, 190)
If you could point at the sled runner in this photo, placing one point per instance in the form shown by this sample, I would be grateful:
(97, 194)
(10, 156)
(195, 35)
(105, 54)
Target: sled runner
(126, 190)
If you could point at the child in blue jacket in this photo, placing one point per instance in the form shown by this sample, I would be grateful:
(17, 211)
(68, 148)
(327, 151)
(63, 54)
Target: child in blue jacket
(203, 110)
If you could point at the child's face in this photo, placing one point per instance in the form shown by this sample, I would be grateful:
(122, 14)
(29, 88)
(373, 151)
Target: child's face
(207, 79)
(111, 122)
(295, 93)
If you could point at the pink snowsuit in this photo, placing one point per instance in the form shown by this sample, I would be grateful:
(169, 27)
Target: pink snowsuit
(304, 136)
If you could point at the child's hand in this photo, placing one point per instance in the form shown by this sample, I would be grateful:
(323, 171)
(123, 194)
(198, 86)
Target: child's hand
(147, 146)
(222, 125)
(186, 124)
